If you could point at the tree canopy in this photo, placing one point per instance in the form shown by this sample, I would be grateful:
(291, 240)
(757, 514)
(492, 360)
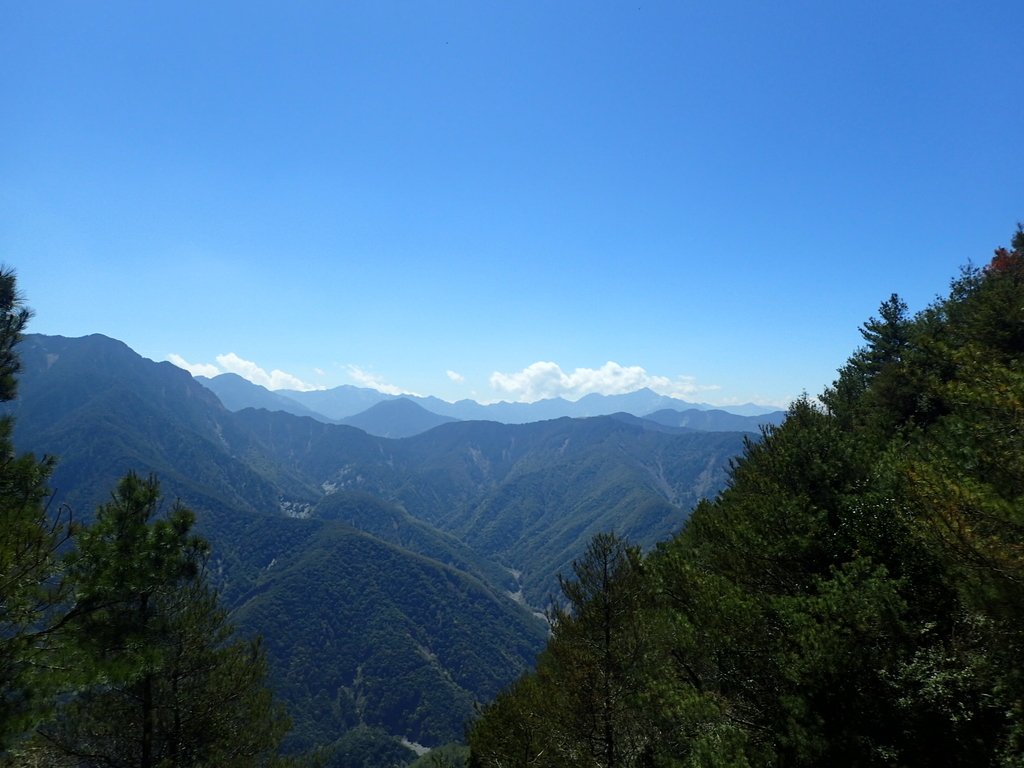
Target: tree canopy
(854, 596)
(30, 537)
(174, 688)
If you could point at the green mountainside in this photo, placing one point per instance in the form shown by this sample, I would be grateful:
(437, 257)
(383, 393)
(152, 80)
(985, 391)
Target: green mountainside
(528, 495)
(101, 409)
(390, 579)
(359, 631)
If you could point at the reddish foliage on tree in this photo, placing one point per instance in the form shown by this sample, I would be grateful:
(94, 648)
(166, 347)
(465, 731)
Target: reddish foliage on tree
(1009, 259)
(1004, 260)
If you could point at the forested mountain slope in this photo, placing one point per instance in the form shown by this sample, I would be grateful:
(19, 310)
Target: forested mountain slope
(714, 419)
(103, 410)
(530, 495)
(854, 597)
(381, 573)
(359, 631)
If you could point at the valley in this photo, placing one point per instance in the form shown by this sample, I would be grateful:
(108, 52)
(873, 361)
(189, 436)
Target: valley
(396, 582)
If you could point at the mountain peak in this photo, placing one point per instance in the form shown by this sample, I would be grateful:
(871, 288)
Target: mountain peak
(399, 417)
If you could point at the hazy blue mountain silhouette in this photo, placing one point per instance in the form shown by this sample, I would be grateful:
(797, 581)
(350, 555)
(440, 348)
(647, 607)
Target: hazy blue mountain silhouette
(400, 417)
(342, 403)
(714, 420)
(237, 393)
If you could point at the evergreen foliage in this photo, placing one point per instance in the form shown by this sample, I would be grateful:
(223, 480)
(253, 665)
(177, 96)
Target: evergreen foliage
(164, 683)
(855, 596)
(581, 706)
(447, 756)
(364, 747)
(30, 538)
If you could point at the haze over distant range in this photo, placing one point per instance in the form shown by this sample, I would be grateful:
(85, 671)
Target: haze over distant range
(503, 202)
(387, 415)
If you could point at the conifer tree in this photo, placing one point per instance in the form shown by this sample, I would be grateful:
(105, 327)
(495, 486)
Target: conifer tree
(581, 706)
(165, 684)
(596, 650)
(29, 541)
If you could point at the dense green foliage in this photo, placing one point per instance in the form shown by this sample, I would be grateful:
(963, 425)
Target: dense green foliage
(579, 707)
(146, 671)
(446, 756)
(161, 681)
(363, 747)
(855, 596)
(29, 541)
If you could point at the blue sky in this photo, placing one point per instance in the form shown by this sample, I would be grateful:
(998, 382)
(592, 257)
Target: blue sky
(504, 200)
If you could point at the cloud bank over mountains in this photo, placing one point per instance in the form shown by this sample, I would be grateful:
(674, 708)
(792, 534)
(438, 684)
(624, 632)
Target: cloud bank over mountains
(372, 380)
(539, 381)
(232, 363)
(543, 380)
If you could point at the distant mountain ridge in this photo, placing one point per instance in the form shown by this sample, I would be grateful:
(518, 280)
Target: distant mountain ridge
(369, 409)
(714, 420)
(236, 393)
(400, 417)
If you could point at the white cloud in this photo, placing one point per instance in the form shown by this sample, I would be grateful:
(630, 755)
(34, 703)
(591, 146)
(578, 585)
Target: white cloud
(247, 369)
(458, 378)
(373, 381)
(196, 369)
(546, 379)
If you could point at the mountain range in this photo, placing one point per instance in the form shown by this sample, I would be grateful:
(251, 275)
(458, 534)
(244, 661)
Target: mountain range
(406, 415)
(396, 582)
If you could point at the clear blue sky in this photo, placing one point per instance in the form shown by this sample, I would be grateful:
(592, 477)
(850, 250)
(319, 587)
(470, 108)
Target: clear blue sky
(710, 196)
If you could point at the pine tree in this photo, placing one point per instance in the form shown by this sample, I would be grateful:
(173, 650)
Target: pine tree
(30, 538)
(580, 708)
(165, 684)
(596, 650)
